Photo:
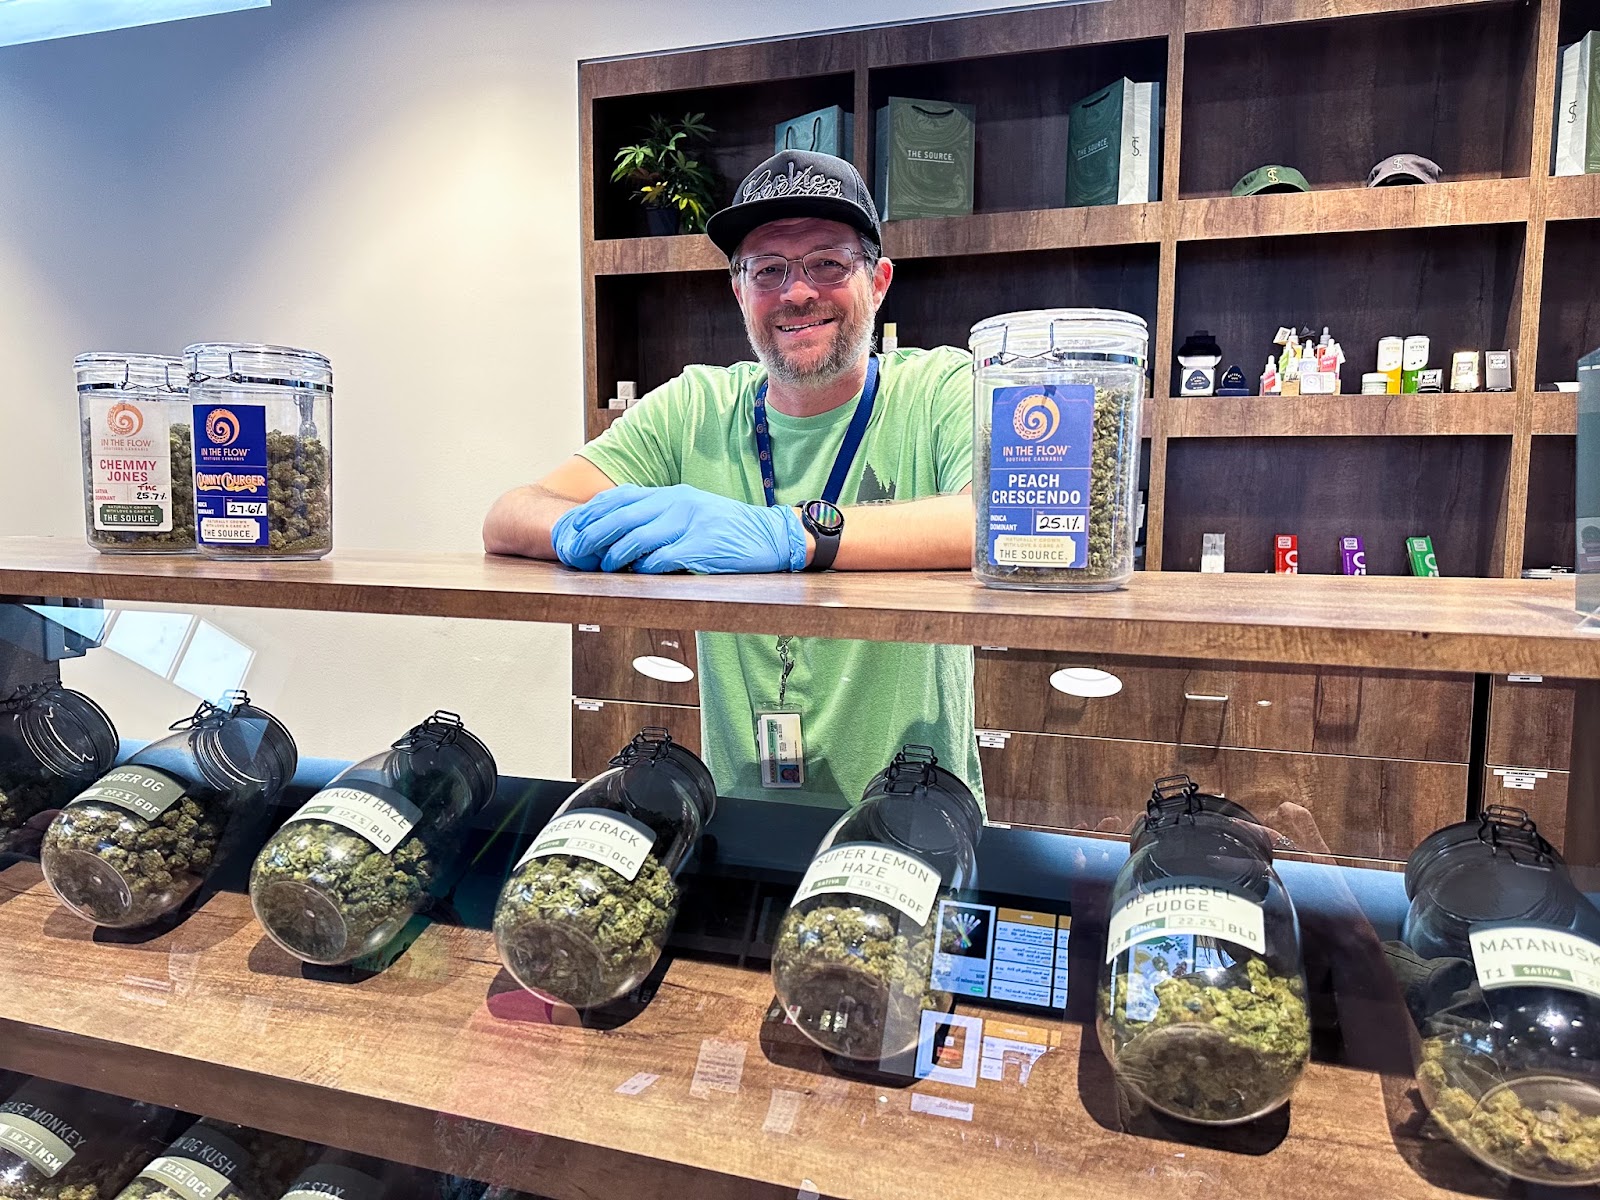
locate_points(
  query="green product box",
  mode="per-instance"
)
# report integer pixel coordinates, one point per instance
(826, 131)
(925, 155)
(1114, 145)
(1423, 562)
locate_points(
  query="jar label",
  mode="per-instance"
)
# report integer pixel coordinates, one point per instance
(876, 872)
(37, 1135)
(598, 834)
(330, 1181)
(200, 1165)
(130, 465)
(1530, 956)
(380, 814)
(143, 791)
(1187, 908)
(1040, 450)
(230, 474)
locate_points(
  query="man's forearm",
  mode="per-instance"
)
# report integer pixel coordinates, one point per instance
(521, 520)
(919, 535)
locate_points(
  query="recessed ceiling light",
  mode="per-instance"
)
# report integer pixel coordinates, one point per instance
(654, 666)
(1087, 682)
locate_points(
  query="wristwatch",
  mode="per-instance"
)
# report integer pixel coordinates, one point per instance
(825, 522)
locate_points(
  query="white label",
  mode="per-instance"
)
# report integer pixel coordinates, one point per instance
(130, 475)
(1519, 780)
(190, 1179)
(1187, 908)
(718, 1069)
(589, 705)
(588, 629)
(993, 739)
(781, 1111)
(47, 1146)
(938, 1106)
(598, 835)
(246, 530)
(863, 869)
(636, 1084)
(1528, 956)
(1524, 678)
(384, 820)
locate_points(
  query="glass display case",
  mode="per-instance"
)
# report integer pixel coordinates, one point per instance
(1076, 1022)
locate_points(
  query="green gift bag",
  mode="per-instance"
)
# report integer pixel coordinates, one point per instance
(925, 155)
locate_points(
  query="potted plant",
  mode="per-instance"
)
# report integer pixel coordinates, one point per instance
(676, 187)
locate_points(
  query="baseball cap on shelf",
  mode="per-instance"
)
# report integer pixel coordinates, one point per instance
(1403, 168)
(1271, 178)
(796, 183)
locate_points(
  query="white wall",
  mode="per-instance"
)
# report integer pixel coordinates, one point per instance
(391, 182)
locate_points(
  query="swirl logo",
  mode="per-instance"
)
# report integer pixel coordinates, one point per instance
(1036, 418)
(124, 419)
(222, 427)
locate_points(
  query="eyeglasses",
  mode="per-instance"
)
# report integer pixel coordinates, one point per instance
(824, 268)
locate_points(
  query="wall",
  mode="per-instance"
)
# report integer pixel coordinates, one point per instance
(391, 182)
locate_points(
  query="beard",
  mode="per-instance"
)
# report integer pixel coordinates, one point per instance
(852, 338)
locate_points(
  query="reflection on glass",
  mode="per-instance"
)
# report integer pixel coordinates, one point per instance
(54, 742)
(1202, 1009)
(66, 1143)
(214, 1158)
(585, 915)
(1501, 970)
(854, 960)
(355, 863)
(137, 844)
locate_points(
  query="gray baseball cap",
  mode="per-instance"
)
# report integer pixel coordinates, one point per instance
(796, 183)
(1403, 168)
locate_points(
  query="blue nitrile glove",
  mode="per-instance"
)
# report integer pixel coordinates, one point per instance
(679, 528)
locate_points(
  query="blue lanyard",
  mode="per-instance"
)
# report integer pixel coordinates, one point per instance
(847, 449)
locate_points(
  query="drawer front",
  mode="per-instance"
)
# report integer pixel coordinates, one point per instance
(601, 728)
(1543, 794)
(1381, 714)
(1360, 807)
(604, 666)
(1530, 724)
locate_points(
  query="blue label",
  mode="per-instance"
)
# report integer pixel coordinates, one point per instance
(230, 474)
(1039, 454)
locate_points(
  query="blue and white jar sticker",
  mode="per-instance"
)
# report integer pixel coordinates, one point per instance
(1040, 449)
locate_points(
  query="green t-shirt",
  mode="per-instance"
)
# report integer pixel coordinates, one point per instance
(860, 702)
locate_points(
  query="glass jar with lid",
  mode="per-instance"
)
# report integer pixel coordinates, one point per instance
(1510, 1064)
(1202, 1008)
(853, 964)
(1055, 447)
(138, 481)
(138, 843)
(54, 742)
(356, 862)
(263, 450)
(586, 912)
(221, 1159)
(345, 1175)
(66, 1143)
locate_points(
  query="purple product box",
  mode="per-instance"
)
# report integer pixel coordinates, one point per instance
(1354, 553)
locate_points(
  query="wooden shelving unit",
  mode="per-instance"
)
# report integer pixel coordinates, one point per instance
(443, 1062)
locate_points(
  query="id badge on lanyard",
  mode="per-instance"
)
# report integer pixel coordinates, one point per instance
(780, 739)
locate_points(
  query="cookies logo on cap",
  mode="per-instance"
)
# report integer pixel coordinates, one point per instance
(807, 181)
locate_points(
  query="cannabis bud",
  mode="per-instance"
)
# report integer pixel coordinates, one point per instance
(63, 1143)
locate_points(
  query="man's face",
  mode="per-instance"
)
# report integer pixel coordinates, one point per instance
(803, 333)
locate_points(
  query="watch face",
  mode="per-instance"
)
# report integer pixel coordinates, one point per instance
(826, 517)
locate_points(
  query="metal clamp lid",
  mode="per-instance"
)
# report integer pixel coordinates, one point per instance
(1505, 827)
(913, 767)
(653, 745)
(446, 729)
(1053, 354)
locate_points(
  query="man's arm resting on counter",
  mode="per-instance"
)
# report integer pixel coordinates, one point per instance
(933, 534)
(520, 521)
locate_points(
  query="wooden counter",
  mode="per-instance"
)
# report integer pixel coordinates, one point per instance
(1468, 625)
(443, 1062)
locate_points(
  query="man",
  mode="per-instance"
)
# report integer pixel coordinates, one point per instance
(735, 469)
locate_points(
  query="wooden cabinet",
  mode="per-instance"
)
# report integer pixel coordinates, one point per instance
(1357, 807)
(1381, 714)
(601, 728)
(1530, 722)
(657, 666)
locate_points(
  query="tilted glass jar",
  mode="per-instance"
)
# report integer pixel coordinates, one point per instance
(344, 1175)
(1510, 1065)
(355, 863)
(138, 469)
(1202, 1007)
(263, 450)
(138, 843)
(54, 742)
(1055, 447)
(66, 1143)
(586, 912)
(854, 961)
(213, 1159)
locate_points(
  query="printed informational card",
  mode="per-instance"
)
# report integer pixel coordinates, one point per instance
(993, 952)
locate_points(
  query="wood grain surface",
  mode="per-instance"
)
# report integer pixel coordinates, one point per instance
(1467, 202)
(1555, 412)
(601, 728)
(442, 1062)
(603, 658)
(1443, 415)
(1452, 624)
(1530, 723)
